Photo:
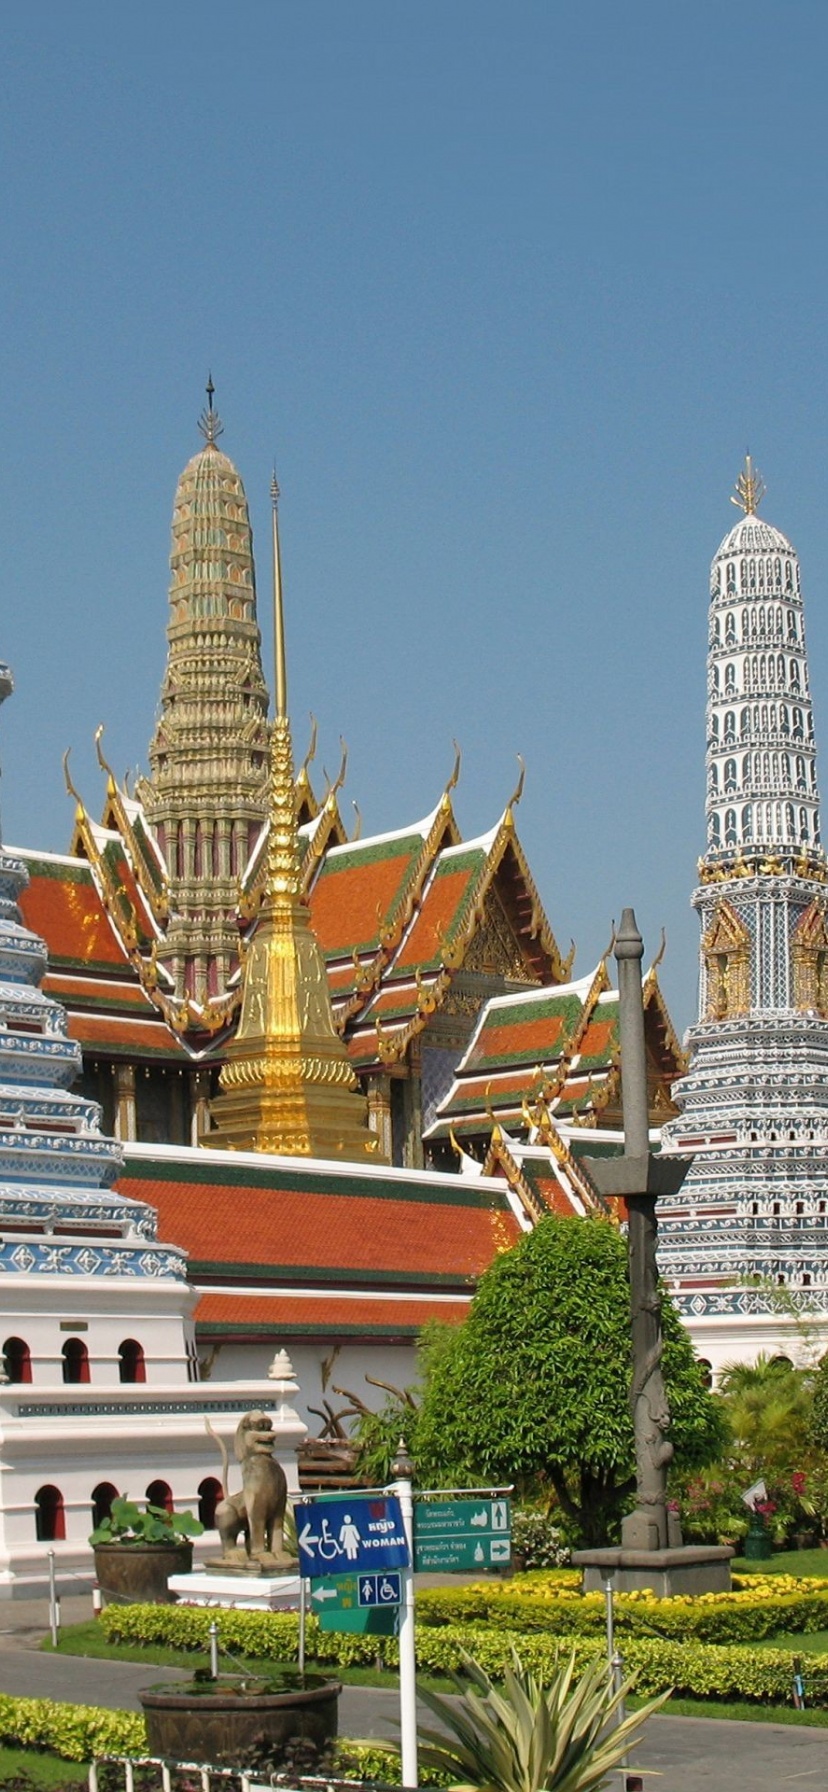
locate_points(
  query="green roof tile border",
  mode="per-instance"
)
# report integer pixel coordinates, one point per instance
(148, 1169)
(401, 1279)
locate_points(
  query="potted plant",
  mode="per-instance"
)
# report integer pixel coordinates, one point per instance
(241, 1720)
(137, 1550)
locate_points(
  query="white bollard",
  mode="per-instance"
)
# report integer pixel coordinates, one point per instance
(54, 1608)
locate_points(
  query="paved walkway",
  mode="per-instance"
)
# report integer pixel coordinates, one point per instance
(679, 1754)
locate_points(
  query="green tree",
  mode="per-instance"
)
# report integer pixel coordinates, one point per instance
(768, 1409)
(818, 1424)
(536, 1380)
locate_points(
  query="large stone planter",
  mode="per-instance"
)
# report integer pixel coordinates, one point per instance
(137, 1573)
(216, 1721)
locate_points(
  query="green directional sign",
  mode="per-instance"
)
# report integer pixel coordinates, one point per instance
(340, 1602)
(462, 1536)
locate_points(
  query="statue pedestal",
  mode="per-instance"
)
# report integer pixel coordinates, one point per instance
(694, 1568)
(252, 1593)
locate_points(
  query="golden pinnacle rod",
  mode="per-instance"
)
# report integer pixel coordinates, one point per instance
(278, 610)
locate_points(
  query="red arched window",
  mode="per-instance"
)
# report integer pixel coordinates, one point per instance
(102, 1497)
(50, 1518)
(75, 1360)
(17, 1359)
(210, 1492)
(132, 1366)
(159, 1494)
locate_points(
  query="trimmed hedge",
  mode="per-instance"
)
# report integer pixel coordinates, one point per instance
(74, 1732)
(85, 1733)
(760, 1606)
(694, 1669)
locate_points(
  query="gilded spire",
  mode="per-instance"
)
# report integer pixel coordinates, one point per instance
(750, 489)
(206, 799)
(287, 1085)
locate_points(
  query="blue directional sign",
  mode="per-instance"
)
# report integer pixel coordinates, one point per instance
(380, 1589)
(363, 1533)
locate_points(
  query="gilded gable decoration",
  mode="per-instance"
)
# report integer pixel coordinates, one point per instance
(726, 952)
(810, 960)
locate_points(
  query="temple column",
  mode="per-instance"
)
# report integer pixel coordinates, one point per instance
(200, 1088)
(414, 1109)
(379, 1112)
(125, 1122)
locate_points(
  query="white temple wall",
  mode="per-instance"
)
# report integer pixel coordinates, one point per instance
(741, 1338)
(56, 1438)
(317, 1373)
(45, 1311)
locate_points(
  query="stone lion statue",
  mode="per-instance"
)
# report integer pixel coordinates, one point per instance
(257, 1512)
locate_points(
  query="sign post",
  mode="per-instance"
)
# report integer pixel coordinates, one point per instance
(403, 1468)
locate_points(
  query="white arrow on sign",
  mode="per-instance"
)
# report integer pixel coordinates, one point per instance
(307, 1537)
(323, 1593)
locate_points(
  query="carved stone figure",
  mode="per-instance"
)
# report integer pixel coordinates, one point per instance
(646, 1528)
(257, 1512)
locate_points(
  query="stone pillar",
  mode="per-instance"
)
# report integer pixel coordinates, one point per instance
(379, 1112)
(648, 1556)
(200, 1106)
(125, 1124)
(414, 1108)
(646, 1527)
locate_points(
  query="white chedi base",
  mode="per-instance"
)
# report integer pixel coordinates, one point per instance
(247, 1593)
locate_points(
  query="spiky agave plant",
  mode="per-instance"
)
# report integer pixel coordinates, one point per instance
(525, 1736)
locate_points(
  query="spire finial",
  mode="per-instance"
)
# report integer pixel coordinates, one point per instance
(210, 422)
(750, 489)
(278, 608)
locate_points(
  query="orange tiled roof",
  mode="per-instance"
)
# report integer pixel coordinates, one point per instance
(92, 992)
(112, 1032)
(318, 1221)
(441, 903)
(62, 904)
(354, 892)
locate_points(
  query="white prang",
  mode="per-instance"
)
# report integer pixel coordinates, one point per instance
(744, 1247)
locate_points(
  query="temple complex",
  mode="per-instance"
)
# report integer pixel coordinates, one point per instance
(744, 1245)
(341, 1073)
(150, 913)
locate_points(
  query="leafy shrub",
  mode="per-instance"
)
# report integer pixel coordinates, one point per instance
(684, 1656)
(74, 1732)
(759, 1606)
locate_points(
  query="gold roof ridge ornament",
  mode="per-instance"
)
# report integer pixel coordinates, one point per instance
(749, 490)
(209, 422)
(287, 1085)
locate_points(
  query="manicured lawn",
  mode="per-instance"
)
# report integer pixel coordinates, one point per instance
(806, 1562)
(746, 1714)
(805, 1642)
(40, 1770)
(89, 1640)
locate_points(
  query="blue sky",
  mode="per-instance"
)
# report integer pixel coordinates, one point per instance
(506, 291)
